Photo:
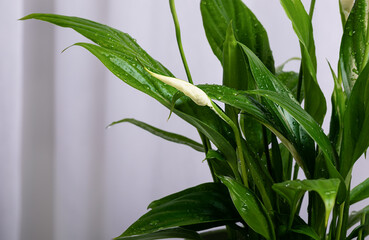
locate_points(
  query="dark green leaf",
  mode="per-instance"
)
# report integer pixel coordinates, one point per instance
(119, 53)
(338, 100)
(326, 188)
(354, 233)
(217, 15)
(306, 230)
(360, 192)
(290, 79)
(302, 148)
(206, 203)
(250, 208)
(173, 137)
(164, 234)
(354, 52)
(355, 127)
(315, 103)
(309, 125)
(220, 164)
(355, 217)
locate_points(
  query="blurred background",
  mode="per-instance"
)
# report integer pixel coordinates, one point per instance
(63, 175)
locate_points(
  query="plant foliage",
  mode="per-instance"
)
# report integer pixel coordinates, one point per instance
(263, 129)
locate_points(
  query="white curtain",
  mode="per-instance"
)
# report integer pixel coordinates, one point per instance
(63, 175)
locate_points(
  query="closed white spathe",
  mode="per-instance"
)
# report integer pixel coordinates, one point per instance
(62, 174)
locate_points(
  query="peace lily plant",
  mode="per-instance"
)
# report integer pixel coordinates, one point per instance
(269, 130)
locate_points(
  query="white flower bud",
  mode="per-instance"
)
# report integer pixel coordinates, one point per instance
(196, 94)
(346, 6)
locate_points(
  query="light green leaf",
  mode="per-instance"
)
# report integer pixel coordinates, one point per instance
(207, 203)
(250, 208)
(172, 137)
(315, 103)
(326, 188)
(354, 51)
(360, 192)
(165, 234)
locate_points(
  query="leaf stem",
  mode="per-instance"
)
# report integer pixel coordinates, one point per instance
(237, 135)
(340, 220)
(311, 10)
(360, 234)
(179, 41)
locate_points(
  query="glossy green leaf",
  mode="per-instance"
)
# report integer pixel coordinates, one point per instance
(326, 188)
(309, 125)
(217, 15)
(206, 203)
(290, 79)
(119, 53)
(315, 103)
(292, 195)
(245, 102)
(220, 164)
(355, 127)
(165, 234)
(250, 208)
(302, 148)
(354, 52)
(172, 137)
(360, 192)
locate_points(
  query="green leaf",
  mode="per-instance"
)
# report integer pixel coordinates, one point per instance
(338, 100)
(172, 137)
(326, 188)
(290, 79)
(355, 127)
(306, 230)
(354, 51)
(360, 192)
(217, 15)
(220, 164)
(293, 197)
(206, 203)
(245, 102)
(164, 234)
(309, 125)
(119, 53)
(302, 148)
(355, 217)
(315, 103)
(250, 208)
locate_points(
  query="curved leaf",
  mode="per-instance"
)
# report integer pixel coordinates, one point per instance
(309, 125)
(360, 192)
(355, 126)
(326, 188)
(250, 208)
(207, 203)
(217, 15)
(315, 103)
(119, 53)
(172, 137)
